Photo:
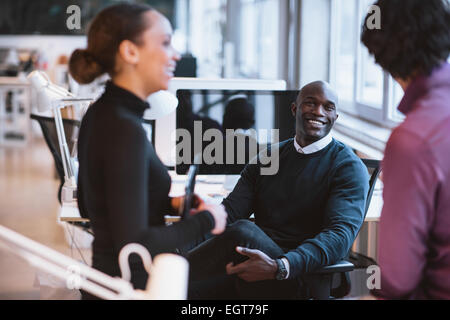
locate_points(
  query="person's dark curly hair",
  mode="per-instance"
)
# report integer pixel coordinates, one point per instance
(414, 37)
(239, 114)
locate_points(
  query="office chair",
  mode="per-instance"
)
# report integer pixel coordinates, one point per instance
(71, 128)
(48, 127)
(319, 283)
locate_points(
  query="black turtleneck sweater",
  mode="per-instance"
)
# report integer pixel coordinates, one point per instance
(123, 187)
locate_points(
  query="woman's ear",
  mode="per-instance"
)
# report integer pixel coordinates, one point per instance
(128, 52)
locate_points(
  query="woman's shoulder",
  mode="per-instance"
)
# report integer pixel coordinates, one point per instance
(106, 119)
(110, 112)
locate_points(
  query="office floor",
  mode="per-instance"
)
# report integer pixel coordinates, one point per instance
(29, 206)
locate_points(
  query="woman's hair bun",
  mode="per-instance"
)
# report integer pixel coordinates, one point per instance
(83, 67)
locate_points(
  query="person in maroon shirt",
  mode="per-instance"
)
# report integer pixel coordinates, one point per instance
(413, 45)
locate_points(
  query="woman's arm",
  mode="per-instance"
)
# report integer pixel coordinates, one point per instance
(126, 169)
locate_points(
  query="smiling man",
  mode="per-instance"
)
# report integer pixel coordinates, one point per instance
(312, 123)
(306, 216)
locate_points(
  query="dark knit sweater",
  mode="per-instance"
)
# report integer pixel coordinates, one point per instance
(312, 208)
(123, 187)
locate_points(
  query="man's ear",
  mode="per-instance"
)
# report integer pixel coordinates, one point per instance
(293, 109)
(129, 52)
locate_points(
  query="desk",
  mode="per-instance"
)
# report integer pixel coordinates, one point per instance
(69, 213)
(211, 188)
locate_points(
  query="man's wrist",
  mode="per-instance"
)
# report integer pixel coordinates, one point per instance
(287, 265)
(274, 267)
(281, 273)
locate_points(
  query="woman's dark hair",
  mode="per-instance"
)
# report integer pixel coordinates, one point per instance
(109, 28)
(414, 37)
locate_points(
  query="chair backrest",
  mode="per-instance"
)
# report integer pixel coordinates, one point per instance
(374, 168)
(48, 127)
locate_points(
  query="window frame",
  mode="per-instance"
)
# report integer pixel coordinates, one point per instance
(383, 116)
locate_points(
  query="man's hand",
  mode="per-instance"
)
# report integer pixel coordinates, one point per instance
(258, 267)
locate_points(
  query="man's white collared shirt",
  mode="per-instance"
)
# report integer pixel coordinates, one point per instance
(313, 147)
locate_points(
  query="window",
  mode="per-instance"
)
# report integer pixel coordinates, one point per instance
(345, 53)
(258, 40)
(395, 99)
(365, 90)
(207, 38)
(371, 81)
(248, 40)
(235, 39)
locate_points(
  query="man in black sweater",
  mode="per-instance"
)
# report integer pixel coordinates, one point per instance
(307, 215)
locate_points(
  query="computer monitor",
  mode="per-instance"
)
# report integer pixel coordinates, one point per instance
(165, 127)
(229, 126)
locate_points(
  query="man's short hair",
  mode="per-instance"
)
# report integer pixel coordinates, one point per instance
(414, 36)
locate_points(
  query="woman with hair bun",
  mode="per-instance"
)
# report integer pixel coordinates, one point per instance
(123, 186)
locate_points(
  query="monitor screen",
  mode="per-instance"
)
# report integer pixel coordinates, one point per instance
(222, 130)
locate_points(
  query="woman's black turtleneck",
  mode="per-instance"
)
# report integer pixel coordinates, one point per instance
(123, 187)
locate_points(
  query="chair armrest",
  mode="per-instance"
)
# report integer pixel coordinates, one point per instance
(341, 266)
(320, 282)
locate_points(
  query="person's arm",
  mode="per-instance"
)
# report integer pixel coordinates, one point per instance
(344, 215)
(126, 170)
(239, 203)
(410, 177)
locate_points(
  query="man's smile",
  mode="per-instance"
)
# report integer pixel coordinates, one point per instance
(315, 123)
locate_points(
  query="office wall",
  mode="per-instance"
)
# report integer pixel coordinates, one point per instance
(49, 17)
